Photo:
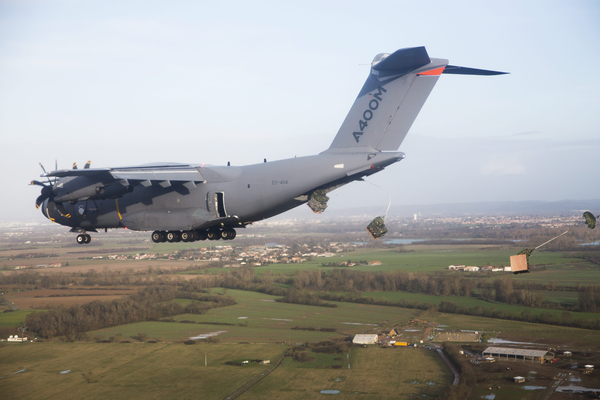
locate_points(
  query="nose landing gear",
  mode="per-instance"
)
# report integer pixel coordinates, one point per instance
(83, 238)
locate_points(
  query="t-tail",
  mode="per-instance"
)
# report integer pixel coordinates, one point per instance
(390, 100)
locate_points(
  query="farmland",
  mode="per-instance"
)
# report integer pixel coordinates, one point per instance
(258, 318)
(126, 371)
(152, 361)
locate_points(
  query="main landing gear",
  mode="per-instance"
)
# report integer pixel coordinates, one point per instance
(83, 238)
(193, 235)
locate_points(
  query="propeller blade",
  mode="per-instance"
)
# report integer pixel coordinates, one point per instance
(46, 193)
(87, 164)
(38, 183)
(44, 169)
(40, 200)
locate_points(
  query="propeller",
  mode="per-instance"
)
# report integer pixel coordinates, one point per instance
(48, 193)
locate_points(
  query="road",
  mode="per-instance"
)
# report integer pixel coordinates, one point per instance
(10, 305)
(550, 390)
(454, 371)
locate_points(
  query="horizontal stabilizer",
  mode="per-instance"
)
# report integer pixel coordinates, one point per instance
(456, 70)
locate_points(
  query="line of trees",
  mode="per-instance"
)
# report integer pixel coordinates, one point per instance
(589, 298)
(150, 304)
(565, 319)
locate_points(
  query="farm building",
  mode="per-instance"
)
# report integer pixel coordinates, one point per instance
(393, 332)
(365, 339)
(16, 338)
(506, 354)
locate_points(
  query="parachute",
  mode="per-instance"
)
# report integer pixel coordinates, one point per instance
(590, 220)
(377, 228)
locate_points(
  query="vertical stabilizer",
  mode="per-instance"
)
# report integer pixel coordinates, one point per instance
(386, 107)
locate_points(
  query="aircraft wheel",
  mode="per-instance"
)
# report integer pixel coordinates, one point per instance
(228, 234)
(193, 236)
(88, 238)
(81, 239)
(187, 236)
(201, 235)
(213, 234)
(173, 236)
(156, 236)
(163, 236)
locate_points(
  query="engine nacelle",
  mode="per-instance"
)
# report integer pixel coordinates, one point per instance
(82, 188)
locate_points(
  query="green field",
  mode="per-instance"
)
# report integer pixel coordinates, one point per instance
(177, 371)
(560, 268)
(374, 373)
(14, 318)
(126, 371)
(257, 317)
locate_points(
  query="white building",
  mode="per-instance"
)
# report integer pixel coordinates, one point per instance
(365, 339)
(16, 338)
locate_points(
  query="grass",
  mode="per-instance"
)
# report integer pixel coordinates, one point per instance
(258, 318)
(126, 371)
(13, 319)
(559, 266)
(375, 373)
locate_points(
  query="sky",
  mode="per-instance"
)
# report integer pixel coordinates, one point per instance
(132, 82)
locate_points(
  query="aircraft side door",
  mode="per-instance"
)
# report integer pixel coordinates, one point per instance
(215, 203)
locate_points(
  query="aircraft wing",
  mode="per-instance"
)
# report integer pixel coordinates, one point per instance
(143, 174)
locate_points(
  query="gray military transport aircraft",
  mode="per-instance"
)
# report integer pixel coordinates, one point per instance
(188, 202)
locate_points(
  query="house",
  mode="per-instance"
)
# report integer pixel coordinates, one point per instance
(365, 339)
(456, 267)
(519, 379)
(471, 269)
(394, 332)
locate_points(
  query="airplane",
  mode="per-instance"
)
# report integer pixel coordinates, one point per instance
(188, 202)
